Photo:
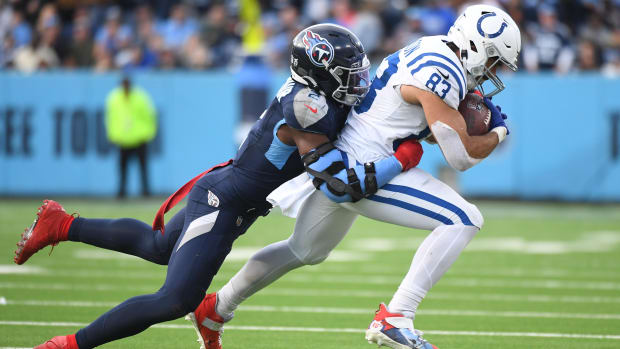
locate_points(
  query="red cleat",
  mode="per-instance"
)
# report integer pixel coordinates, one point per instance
(59, 342)
(49, 228)
(208, 323)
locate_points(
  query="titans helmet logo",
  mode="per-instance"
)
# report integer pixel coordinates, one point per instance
(493, 35)
(318, 49)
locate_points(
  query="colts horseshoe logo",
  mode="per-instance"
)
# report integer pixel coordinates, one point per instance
(494, 35)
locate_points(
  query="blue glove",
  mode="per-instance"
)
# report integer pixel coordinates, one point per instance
(497, 117)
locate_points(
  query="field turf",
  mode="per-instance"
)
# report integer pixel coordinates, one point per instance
(537, 276)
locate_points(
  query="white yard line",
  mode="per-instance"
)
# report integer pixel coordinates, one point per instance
(337, 330)
(379, 295)
(337, 310)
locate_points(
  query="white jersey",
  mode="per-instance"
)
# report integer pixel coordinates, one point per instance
(383, 120)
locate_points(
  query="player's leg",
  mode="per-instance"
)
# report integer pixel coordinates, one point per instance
(130, 236)
(53, 225)
(417, 200)
(123, 159)
(196, 258)
(321, 225)
(142, 153)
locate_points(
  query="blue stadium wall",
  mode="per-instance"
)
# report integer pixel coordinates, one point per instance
(563, 144)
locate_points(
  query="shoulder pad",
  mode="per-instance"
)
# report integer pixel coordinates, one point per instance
(309, 107)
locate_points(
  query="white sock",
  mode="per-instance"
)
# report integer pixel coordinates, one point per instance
(265, 267)
(432, 259)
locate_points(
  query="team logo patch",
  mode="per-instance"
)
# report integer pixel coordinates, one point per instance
(493, 35)
(212, 199)
(318, 49)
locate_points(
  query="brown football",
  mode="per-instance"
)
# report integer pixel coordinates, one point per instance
(476, 114)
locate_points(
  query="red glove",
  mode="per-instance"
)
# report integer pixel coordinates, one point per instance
(409, 154)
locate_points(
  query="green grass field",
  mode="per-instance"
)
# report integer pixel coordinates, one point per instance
(536, 276)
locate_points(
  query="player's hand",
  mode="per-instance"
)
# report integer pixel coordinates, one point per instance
(497, 117)
(409, 154)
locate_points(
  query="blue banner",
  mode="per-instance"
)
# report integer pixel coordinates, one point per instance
(563, 143)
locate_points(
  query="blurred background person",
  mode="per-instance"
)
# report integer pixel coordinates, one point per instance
(131, 123)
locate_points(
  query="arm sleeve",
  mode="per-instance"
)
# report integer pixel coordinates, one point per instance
(385, 170)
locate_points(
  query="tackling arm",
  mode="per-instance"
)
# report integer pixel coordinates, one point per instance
(461, 150)
(325, 165)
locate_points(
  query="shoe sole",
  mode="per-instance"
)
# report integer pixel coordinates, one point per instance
(377, 337)
(192, 318)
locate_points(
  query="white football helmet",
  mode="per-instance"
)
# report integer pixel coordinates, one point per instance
(483, 32)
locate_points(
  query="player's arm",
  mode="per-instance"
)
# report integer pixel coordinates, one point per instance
(461, 150)
(325, 165)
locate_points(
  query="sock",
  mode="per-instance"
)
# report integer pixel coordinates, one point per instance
(265, 267)
(65, 225)
(431, 261)
(72, 342)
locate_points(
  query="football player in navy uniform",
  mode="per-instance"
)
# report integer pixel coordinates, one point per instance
(329, 74)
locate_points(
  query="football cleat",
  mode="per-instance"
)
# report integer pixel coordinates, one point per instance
(59, 342)
(47, 229)
(395, 331)
(207, 323)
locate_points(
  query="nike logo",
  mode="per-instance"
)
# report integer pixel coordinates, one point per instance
(445, 76)
(314, 110)
(507, 46)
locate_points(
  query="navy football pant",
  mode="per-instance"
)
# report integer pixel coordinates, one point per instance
(193, 256)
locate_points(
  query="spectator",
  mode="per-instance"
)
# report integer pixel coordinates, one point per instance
(113, 36)
(549, 47)
(20, 30)
(178, 29)
(217, 33)
(589, 56)
(35, 55)
(131, 124)
(368, 26)
(342, 13)
(81, 48)
(437, 17)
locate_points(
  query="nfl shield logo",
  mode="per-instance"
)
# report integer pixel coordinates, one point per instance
(239, 220)
(318, 49)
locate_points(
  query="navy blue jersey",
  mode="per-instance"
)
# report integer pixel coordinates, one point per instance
(263, 162)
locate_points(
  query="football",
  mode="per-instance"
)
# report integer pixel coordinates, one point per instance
(476, 114)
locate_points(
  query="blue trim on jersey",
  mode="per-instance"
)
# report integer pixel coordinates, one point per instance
(411, 207)
(379, 82)
(440, 56)
(397, 142)
(439, 64)
(430, 198)
(456, 76)
(278, 152)
(345, 158)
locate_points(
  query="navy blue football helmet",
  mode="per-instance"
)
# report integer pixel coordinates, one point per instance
(331, 59)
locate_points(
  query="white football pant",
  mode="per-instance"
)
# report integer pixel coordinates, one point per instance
(412, 199)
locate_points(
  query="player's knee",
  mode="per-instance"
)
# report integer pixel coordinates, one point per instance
(306, 255)
(475, 216)
(313, 259)
(178, 302)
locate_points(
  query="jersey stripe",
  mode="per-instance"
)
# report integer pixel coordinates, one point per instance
(433, 54)
(439, 64)
(430, 198)
(411, 207)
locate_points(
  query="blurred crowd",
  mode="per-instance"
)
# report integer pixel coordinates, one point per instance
(558, 35)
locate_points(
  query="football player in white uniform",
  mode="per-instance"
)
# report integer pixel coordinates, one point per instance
(415, 94)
